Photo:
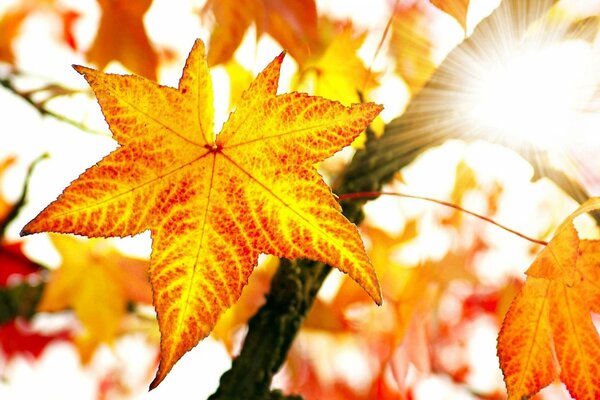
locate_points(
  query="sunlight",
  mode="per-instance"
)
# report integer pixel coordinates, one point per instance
(535, 97)
(526, 78)
(491, 120)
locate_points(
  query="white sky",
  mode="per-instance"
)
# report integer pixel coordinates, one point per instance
(58, 375)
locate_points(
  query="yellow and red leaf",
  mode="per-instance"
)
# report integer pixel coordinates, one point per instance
(213, 203)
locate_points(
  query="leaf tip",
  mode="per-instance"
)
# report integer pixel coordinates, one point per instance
(155, 382)
(377, 109)
(161, 373)
(281, 56)
(276, 63)
(370, 110)
(81, 69)
(370, 283)
(378, 298)
(375, 293)
(28, 229)
(199, 46)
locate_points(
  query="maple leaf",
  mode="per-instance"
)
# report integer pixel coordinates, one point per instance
(10, 26)
(337, 72)
(411, 47)
(456, 8)
(97, 283)
(69, 19)
(121, 36)
(548, 331)
(18, 338)
(290, 22)
(213, 204)
(11, 23)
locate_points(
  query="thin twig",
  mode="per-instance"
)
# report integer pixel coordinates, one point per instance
(362, 195)
(28, 97)
(16, 208)
(380, 45)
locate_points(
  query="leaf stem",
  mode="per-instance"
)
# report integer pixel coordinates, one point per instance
(363, 195)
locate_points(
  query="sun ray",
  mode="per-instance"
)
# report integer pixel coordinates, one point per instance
(526, 78)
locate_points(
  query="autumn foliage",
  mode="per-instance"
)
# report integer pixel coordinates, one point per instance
(548, 332)
(213, 204)
(247, 219)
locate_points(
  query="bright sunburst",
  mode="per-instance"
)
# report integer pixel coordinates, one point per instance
(538, 96)
(528, 77)
(534, 72)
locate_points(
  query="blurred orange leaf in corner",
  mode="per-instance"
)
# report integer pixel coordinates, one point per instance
(122, 37)
(10, 25)
(548, 332)
(292, 23)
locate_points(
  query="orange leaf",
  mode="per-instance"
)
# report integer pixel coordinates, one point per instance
(69, 19)
(96, 282)
(411, 47)
(122, 37)
(291, 22)
(456, 8)
(10, 26)
(524, 343)
(214, 204)
(548, 330)
(5, 206)
(13, 18)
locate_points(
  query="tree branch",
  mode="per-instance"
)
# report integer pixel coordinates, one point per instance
(8, 84)
(295, 285)
(19, 301)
